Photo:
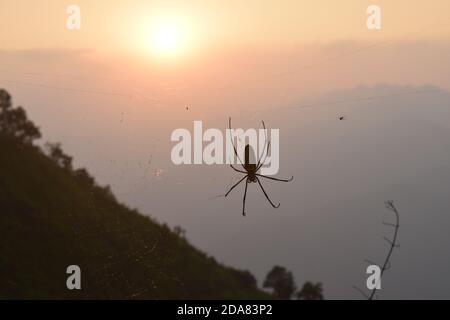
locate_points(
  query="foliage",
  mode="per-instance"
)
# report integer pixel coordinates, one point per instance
(56, 153)
(310, 291)
(281, 281)
(14, 122)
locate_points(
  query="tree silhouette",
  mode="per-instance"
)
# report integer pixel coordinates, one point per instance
(310, 291)
(14, 121)
(56, 153)
(281, 281)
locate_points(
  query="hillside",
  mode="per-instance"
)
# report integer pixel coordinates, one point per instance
(52, 217)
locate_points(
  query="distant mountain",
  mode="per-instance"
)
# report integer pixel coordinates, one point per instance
(52, 216)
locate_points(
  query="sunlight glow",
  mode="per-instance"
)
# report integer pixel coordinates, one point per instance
(168, 37)
(166, 40)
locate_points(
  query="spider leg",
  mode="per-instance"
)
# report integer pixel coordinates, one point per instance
(232, 142)
(265, 144)
(282, 180)
(265, 158)
(237, 169)
(267, 197)
(226, 194)
(245, 196)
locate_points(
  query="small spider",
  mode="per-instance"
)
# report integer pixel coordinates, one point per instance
(251, 170)
(342, 118)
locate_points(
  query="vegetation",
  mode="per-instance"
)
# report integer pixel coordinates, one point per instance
(282, 282)
(310, 291)
(53, 216)
(14, 122)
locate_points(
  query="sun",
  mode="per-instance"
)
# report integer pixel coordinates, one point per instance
(168, 38)
(164, 36)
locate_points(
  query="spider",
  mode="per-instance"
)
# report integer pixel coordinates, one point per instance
(251, 170)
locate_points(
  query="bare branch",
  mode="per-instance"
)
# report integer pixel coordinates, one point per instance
(386, 265)
(388, 241)
(392, 244)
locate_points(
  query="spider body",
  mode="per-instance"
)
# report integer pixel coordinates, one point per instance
(251, 178)
(251, 170)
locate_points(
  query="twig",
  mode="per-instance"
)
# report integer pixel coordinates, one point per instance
(386, 265)
(392, 243)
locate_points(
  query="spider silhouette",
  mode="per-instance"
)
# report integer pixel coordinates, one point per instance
(251, 170)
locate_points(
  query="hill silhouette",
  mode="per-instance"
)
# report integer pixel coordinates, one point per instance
(53, 216)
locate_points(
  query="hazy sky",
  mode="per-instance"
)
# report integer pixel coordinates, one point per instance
(125, 26)
(112, 97)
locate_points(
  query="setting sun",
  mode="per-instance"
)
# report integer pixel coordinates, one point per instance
(164, 35)
(168, 37)
(166, 40)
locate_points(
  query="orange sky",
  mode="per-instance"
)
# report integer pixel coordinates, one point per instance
(123, 25)
(228, 47)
